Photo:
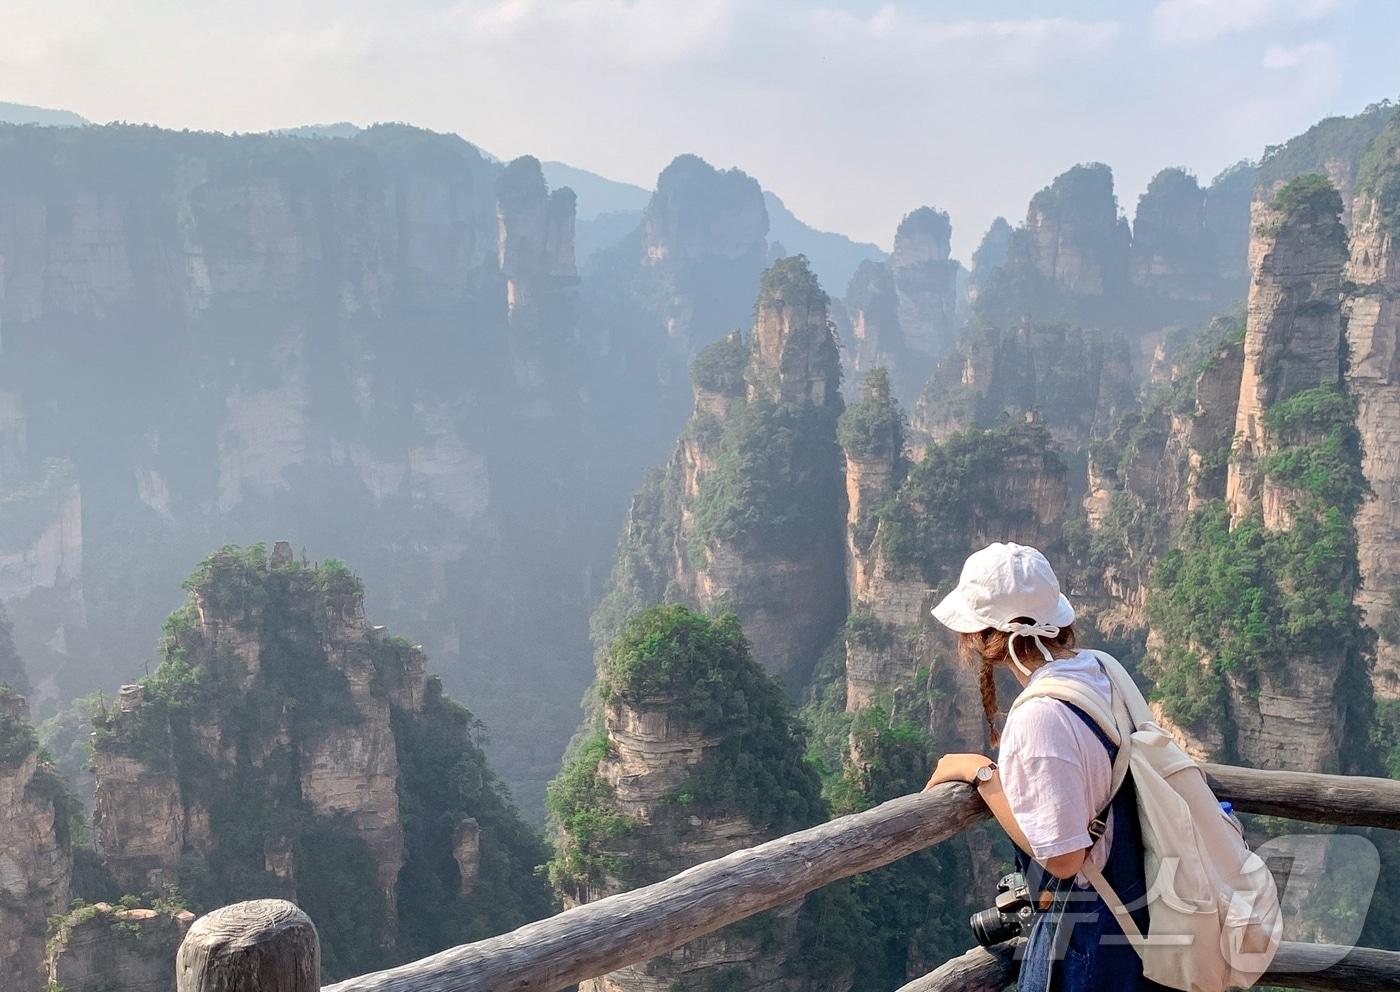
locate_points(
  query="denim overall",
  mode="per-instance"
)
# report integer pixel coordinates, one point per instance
(1064, 952)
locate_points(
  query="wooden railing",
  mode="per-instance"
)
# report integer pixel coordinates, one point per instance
(270, 945)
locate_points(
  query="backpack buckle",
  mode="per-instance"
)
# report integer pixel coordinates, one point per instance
(1097, 826)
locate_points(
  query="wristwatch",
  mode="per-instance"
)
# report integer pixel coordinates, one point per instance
(985, 773)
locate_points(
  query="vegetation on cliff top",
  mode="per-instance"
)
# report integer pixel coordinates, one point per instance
(699, 668)
(873, 427)
(719, 367)
(1379, 175)
(287, 609)
(943, 499)
(1341, 140)
(1309, 198)
(790, 282)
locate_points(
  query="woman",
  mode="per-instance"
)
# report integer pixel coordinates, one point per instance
(1052, 781)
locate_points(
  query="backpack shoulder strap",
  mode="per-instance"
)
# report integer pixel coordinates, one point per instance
(1073, 691)
(1134, 704)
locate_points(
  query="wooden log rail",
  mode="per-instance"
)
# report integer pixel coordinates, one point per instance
(602, 936)
(1318, 967)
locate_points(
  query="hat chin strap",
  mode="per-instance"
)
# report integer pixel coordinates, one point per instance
(1034, 631)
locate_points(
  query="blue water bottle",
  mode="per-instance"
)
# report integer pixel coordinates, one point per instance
(1228, 809)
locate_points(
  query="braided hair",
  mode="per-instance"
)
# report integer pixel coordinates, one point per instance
(989, 648)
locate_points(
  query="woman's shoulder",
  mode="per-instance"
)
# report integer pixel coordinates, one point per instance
(1037, 719)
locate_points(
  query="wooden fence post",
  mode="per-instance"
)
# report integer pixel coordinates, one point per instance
(267, 945)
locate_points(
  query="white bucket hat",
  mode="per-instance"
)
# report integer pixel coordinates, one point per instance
(1001, 583)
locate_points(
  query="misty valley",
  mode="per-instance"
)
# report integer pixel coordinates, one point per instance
(440, 542)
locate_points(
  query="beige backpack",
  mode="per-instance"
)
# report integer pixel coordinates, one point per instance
(1214, 915)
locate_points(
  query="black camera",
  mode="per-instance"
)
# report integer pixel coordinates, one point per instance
(1009, 917)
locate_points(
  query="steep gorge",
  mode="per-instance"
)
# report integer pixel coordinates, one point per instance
(371, 342)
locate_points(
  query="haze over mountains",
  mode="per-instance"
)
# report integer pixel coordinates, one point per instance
(554, 430)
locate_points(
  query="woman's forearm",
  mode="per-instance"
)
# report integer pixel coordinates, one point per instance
(991, 794)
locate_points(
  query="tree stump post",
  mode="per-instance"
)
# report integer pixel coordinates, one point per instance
(267, 945)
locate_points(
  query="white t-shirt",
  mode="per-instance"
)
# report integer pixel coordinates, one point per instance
(1054, 771)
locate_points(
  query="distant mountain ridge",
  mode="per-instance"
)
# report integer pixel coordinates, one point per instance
(21, 113)
(607, 207)
(596, 194)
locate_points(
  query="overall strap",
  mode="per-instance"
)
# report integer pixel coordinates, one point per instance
(1094, 875)
(1101, 820)
(1093, 725)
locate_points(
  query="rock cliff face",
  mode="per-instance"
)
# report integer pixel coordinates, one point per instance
(238, 632)
(1230, 681)
(208, 336)
(1079, 382)
(652, 755)
(925, 280)
(990, 255)
(41, 556)
(904, 314)
(696, 756)
(870, 321)
(1293, 336)
(102, 948)
(747, 514)
(1227, 221)
(1080, 245)
(704, 235)
(286, 747)
(1076, 260)
(910, 523)
(534, 246)
(1172, 251)
(36, 860)
(1373, 377)
(1152, 469)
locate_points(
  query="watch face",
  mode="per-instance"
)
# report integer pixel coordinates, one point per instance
(984, 774)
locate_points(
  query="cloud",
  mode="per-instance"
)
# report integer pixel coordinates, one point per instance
(1308, 53)
(1187, 22)
(1313, 68)
(1023, 45)
(855, 111)
(625, 31)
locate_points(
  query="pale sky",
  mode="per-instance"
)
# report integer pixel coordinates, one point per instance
(853, 111)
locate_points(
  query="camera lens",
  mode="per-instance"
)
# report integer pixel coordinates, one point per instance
(991, 927)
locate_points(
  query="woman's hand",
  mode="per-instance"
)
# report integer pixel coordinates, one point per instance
(957, 768)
